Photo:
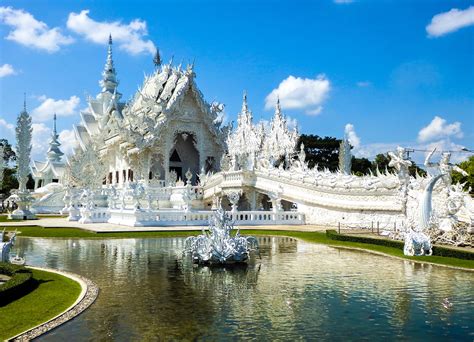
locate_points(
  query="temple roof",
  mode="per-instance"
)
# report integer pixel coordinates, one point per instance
(50, 168)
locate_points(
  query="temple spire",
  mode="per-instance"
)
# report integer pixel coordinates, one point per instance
(109, 80)
(278, 108)
(54, 153)
(24, 102)
(245, 113)
(157, 58)
(54, 125)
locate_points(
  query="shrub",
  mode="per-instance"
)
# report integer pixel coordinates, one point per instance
(437, 250)
(18, 285)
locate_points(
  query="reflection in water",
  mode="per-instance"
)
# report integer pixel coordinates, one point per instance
(297, 290)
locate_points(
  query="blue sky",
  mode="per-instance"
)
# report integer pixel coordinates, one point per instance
(384, 72)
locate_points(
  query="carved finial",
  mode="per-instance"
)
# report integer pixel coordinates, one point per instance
(24, 102)
(110, 38)
(278, 107)
(54, 124)
(244, 102)
(157, 58)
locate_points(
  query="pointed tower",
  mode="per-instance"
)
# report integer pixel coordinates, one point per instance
(245, 116)
(54, 153)
(279, 141)
(345, 156)
(109, 80)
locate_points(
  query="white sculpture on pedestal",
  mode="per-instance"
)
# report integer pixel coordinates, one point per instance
(2, 163)
(23, 151)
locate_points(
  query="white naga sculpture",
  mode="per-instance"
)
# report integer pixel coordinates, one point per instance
(417, 240)
(22, 196)
(218, 246)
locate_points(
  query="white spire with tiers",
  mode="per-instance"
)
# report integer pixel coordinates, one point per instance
(54, 153)
(109, 80)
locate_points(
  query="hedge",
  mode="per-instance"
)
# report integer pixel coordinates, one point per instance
(20, 283)
(437, 250)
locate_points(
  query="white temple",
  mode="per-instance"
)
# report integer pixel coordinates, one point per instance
(164, 158)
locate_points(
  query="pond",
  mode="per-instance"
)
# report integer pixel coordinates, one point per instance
(296, 291)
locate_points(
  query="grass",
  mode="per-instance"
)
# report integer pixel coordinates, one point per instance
(54, 294)
(315, 237)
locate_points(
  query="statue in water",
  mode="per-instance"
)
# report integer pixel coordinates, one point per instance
(218, 246)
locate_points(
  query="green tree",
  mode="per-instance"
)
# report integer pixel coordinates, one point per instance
(9, 154)
(381, 162)
(321, 151)
(9, 177)
(468, 166)
(361, 166)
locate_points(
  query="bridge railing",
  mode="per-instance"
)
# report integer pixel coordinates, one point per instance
(201, 217)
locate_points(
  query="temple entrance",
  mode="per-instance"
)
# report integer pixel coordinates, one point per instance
(184, 156)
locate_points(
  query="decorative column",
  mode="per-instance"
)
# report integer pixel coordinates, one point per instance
(2, 162)
(23, 151)
(234, 197)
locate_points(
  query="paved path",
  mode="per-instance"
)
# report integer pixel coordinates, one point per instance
(50, 222)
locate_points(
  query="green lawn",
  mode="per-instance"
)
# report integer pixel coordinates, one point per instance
(316, 237)
(54, 294)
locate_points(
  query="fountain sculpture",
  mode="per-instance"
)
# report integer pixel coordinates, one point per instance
(218, 246)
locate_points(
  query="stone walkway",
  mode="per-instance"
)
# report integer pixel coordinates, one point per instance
(88, 295)
(56, 222)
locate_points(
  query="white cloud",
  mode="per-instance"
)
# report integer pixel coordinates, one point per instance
(438, 129)
(351, 135)
(6, 70)
(49, 106)
(28, 31)
(40, 140)
(130, 37)
(300, 93)
(369, 151)
(451, 21)
(6, 125)
(68, 141)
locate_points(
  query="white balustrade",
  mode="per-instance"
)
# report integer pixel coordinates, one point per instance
(167, 218)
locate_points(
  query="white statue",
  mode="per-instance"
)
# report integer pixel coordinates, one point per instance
(2, 162)
(443, 167)
(23, 151)
(345, 156)
(402, 165)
